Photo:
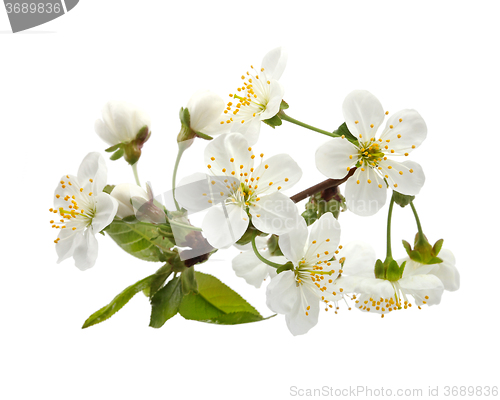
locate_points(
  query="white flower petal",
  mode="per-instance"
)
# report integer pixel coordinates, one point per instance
(281, 172)
(323, 239)
(406, 177)
(274, 63)
(123, 193)
(85, 253)
(359, 257)
(406, 135)
(332, 158)
(293, 243)
(69, 240)
(276, 93)
(223, 226)
(297, 320)
(250, 129)
(227, 147)
(282, 293)
(93, 167)
(365, 198)
(199, 191)
(376, 288)
(105, 210)
(363, 107)
(420, 286)
(205, 108)
(446, 271)
(275, 213)
(247, 266)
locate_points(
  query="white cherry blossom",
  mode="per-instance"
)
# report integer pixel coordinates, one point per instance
(366, 189)
(258, 98)
(121, 122)
(82, 210)
(298, 293)
(236, 191)
(383, 296)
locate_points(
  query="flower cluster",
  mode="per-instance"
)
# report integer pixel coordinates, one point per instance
(245, 200)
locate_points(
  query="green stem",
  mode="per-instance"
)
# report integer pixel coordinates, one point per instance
(420, 231)
(265, 261)
(389, 218)
(136, 175)
(285, 117)
(181, 150)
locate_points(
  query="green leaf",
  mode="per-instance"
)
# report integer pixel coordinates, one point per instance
(284, 105)
(217, 303)
(344, 130)
(165, 303)
(118, 302)
(117, 154)
(161, 276)
(113, 148)
(143, 240)
(274, 121)
(402, 199)
(189, 283)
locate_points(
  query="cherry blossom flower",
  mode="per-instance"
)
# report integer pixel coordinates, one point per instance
(366, 189)
(83, 210)
(236, 191)
(258, 98)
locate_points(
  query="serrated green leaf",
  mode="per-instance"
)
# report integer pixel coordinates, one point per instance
(142, 240)
(118, 302)
(117, 154)
(165, 303)
(161, 276)
(189, 283)
(217, 303)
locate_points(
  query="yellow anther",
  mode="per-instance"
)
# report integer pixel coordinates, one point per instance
(391, 126)
(411, 171)
(371, 125)
(356, 122)
(266, 166)
(400, 172)
(369, 181)
(400, 120)
(387, 113)
(380, 186)
(231, 159)
(279, 187)
(209, 166)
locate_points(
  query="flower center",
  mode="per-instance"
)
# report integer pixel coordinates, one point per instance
(251, 98)
(369, 154)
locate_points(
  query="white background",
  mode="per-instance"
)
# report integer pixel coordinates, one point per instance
(440, 58)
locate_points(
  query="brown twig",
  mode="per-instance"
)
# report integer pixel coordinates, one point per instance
(329, 183)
